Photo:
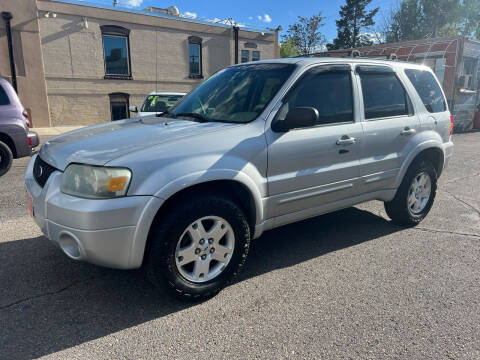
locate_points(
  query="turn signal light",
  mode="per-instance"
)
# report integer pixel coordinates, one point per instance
(117, 183)
(451, 124)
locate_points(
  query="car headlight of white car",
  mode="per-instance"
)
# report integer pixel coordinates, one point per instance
(95, 182)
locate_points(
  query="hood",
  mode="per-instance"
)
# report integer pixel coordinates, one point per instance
(97, 145)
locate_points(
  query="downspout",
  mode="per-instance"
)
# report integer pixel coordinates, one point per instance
(7, 16)
(235, 37)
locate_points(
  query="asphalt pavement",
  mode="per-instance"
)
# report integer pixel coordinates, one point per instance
(347, 285)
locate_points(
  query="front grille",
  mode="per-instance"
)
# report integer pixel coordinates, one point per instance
(42, 171)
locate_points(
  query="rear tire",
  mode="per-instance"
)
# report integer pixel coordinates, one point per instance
(411, 203)
(6, 158)
(181, 242)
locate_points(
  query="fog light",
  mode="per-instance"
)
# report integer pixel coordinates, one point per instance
(70, 245)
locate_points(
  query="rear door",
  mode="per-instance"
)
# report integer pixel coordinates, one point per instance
(389, 122)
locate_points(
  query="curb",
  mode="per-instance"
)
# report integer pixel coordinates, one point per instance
(49, 131)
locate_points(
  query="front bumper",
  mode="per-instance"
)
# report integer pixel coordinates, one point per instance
(111, 232)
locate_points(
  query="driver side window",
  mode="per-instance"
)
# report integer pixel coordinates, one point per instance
(330, 92)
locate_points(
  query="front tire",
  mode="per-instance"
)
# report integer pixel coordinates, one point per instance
(6, 158)
(415, 196)
(198, 247)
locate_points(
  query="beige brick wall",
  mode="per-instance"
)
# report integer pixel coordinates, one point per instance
(28, 57)
(74, 60)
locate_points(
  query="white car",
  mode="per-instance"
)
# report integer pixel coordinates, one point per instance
(157, 102)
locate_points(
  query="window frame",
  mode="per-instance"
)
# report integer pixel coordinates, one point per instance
(257, 52)
(381, 69)
(300, 77)
(241, 56)
(113, 98)
(195, 40)
(117, 31)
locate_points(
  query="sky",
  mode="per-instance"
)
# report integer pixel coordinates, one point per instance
(256, 13)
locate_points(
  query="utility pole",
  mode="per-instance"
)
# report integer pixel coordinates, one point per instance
(235, 37)
(7, 16)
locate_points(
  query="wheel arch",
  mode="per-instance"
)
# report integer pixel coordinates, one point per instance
(239, 191)
(431, 151)
(5, 138)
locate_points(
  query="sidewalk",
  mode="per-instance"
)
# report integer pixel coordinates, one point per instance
(50, 131)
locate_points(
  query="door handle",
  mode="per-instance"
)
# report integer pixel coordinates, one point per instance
(346, 140)
(407, 131)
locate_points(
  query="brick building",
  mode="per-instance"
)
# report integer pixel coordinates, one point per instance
(75, 60)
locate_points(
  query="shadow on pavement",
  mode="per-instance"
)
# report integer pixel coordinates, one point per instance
(49, 303)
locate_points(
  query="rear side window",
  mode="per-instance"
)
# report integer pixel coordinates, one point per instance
(330, 92)
(383, 95)
(3, 97)
(428, 90)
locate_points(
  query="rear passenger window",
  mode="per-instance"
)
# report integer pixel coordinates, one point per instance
(428, 90)
(3, 97)
(330, 92)
(383, 95)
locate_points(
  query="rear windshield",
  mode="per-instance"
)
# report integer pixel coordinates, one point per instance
(428, 90)
(3, 97)
(159, 103)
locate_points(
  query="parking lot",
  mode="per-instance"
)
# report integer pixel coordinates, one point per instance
(343, 285)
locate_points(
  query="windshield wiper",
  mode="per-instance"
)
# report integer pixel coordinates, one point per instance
(199, 117)
(165, 113)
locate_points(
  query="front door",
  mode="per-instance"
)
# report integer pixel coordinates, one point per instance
(314, 166)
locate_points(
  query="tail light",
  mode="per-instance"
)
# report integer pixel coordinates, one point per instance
(451, 124)
(29, 141)
(27, 117)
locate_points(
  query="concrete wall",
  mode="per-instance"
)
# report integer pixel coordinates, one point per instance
(74, 62)
(28, 58)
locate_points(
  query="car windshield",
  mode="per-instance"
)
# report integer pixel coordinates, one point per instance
(237, 94)
(159, 103)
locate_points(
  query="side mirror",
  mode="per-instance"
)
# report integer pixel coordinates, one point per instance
(300, 117)
(133, 108)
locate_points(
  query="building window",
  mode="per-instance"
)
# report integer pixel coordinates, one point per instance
(255, 55)
(116, 50)
(195, 57)
(119, 103)
(245, 56)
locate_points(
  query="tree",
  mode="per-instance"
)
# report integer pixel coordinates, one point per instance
(353, 18)
(287, 49)
(470, 14)
(421, 19)
(305, 34)
(407, 22)
(441, 16)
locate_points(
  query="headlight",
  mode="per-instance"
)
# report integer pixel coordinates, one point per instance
(95, 182)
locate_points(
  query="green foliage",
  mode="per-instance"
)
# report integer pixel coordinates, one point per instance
(305, 34)
(420, 19)
(287, 49)
(470, 15)
(353, 18)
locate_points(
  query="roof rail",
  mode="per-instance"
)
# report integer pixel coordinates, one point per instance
(352, 53)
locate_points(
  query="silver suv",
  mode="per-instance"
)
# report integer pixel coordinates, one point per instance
(255, 146)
